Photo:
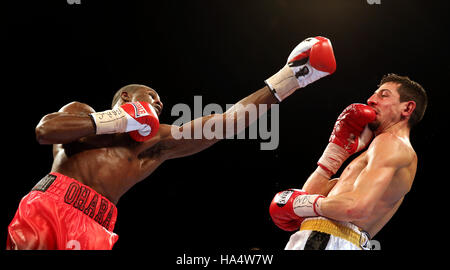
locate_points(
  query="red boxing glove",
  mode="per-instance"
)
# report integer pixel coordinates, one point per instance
(350, 135)
(310, 60)
(289, 208)
(137, 118)
(146, 116)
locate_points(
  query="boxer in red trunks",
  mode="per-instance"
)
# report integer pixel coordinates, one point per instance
(98, 156)
(48, 217)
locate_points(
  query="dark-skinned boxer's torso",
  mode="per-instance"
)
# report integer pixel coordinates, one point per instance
(110, 164)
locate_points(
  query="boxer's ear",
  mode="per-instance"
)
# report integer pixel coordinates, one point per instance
(408, 108)
(125, 96)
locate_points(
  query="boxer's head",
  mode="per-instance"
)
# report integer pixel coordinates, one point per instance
(397, 99)
(137, 92)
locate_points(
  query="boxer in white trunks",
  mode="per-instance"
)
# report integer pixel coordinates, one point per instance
(345, 212)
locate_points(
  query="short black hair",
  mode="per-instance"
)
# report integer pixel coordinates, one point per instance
(130, 88)
(409, 90)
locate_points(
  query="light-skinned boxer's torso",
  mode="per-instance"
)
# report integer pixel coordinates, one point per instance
(395, 191)
(373, 185)
(111, 164)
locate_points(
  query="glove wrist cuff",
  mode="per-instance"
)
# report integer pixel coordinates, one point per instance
(110, 121)
(307, 205)
(283, 83)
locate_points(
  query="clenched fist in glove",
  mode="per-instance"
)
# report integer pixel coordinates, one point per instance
(289, 208)
(137, 118)
(311, 60)
(350, 135)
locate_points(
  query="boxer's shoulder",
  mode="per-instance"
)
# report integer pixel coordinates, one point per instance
(392, 149)
(77, 107)
(388, 139)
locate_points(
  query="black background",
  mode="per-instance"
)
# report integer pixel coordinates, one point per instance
(54, 53)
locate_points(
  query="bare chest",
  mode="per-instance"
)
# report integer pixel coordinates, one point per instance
(348, 177)
(109, 169)
(399, 185)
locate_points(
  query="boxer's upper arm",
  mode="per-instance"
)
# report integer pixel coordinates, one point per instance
(71, 108)
(385, 156)
(330, 185)
(318, 184)
(77, 108)
(71, 121)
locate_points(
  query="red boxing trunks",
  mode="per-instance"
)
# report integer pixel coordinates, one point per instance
(62, 213)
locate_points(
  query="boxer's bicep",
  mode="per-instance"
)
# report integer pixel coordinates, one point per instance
(73, 108)
(77, 108)
(384, 159)
(370, 186)
(71, 122)
(319, 184)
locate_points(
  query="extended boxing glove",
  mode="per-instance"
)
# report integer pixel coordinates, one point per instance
(311, 60)
(350, 135)
(289, 208)
(137, 118)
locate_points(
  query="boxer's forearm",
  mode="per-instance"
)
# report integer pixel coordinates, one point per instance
(62, 127)
(318, 184)
(242, 111)
(187, 142)
(342, 207)
(262, 96)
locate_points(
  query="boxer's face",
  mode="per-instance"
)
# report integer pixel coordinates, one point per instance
(386, 103)
(149, 95)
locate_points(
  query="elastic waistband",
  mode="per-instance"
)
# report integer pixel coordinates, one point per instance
(344, 230)
(68, 190)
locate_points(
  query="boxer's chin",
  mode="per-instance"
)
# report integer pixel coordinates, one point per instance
(374, 126)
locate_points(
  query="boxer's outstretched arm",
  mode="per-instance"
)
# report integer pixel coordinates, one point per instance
(177, 145)
(67, 125)
(310, 60)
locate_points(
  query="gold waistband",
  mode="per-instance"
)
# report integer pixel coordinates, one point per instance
(336, 229)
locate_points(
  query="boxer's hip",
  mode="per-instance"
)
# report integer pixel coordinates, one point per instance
(72, 193)
(62, 213)
(322, 233)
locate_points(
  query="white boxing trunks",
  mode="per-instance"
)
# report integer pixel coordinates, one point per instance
(320, 233)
